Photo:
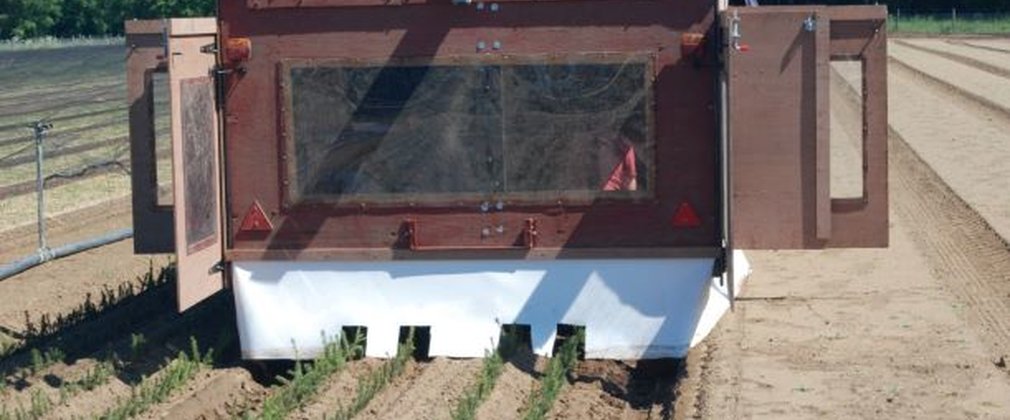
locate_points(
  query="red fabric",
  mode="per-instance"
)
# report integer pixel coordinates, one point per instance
(624, 176)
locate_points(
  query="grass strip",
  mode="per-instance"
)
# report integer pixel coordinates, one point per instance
(155, 390)
(555, 377)
(306, 379)
(369, 386)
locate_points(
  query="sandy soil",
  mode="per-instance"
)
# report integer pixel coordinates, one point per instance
(971, 80)
(996, 62)
(919, 330)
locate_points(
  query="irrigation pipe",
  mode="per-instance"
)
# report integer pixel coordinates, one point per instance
(45, 255)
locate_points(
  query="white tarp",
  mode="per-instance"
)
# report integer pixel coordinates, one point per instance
(631, 308)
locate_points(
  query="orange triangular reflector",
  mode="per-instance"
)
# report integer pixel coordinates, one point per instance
(256, 220)
(685, 216)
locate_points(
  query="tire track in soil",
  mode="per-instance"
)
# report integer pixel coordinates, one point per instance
(1003, 72)
(430, 390)
(339, 391)
(963, 250)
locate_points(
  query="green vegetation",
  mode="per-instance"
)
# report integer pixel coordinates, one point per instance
(157, 389)
(555, 377)
(40, 405)
(307, 378)
(369, 386)
(936, 25)
(491, 369)
(69, 18)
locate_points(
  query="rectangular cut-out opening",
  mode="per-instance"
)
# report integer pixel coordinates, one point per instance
(355, 337)
(420, 336)
(566, 332)
(531, 129)
(847, 129)
(162, 117)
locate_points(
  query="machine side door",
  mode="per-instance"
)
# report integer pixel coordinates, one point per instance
(778, 73)
(196, 159)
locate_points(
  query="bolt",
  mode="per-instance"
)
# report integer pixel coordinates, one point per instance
(494, 7)
(484, 207)
(485, 232)
(496, 45)
(500, 205)
(481, 46)
(480, 5)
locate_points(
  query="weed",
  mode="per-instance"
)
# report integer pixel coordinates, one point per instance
(306, 379)
(152, 391)
(369, 386)
(555, 377)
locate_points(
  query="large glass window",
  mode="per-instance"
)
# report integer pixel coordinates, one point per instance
(524, 129)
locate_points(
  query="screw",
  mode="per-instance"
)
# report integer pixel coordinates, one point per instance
(500, 205)
(485, 232)
(480, 5)
(481, 46)
(485, 206)
(496, 45)
(494, 7)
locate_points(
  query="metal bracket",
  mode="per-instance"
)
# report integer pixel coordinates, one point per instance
(209, 48)
(734, 32)
(810, 23)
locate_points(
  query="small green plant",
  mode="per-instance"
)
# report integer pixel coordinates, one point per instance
(491, 369)
(152, 391)
(40, 405)
(43, 359)
(307, 378)
(555, 377)
(370, 385)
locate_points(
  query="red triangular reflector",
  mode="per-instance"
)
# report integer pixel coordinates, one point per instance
(685, 217)
(256, 220)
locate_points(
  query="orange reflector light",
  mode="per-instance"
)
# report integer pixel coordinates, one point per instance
(256, 220)
(237, 50)
(685, 217)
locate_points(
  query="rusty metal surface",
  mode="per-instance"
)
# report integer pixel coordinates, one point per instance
(152, 224)
(685, 128)
(778, 110)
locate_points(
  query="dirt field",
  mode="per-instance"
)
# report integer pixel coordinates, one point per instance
(918, 330)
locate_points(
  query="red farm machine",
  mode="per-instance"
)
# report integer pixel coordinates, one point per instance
(460, 166)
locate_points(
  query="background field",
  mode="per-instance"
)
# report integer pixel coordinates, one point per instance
(921, 329)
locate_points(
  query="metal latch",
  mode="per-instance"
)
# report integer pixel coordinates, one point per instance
(810, 23)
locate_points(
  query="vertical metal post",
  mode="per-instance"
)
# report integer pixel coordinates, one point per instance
(41, 128)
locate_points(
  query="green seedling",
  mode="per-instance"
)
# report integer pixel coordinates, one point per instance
(555, 378)
(176, 374)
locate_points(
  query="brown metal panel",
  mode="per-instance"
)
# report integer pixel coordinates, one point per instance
(861, 32)
(773, 112)
(195, 157)
(778, 110)
(684, 102)
(152, 224)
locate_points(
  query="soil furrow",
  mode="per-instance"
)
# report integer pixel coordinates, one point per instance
(339, 391)
(996, 68)
(431, 394)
